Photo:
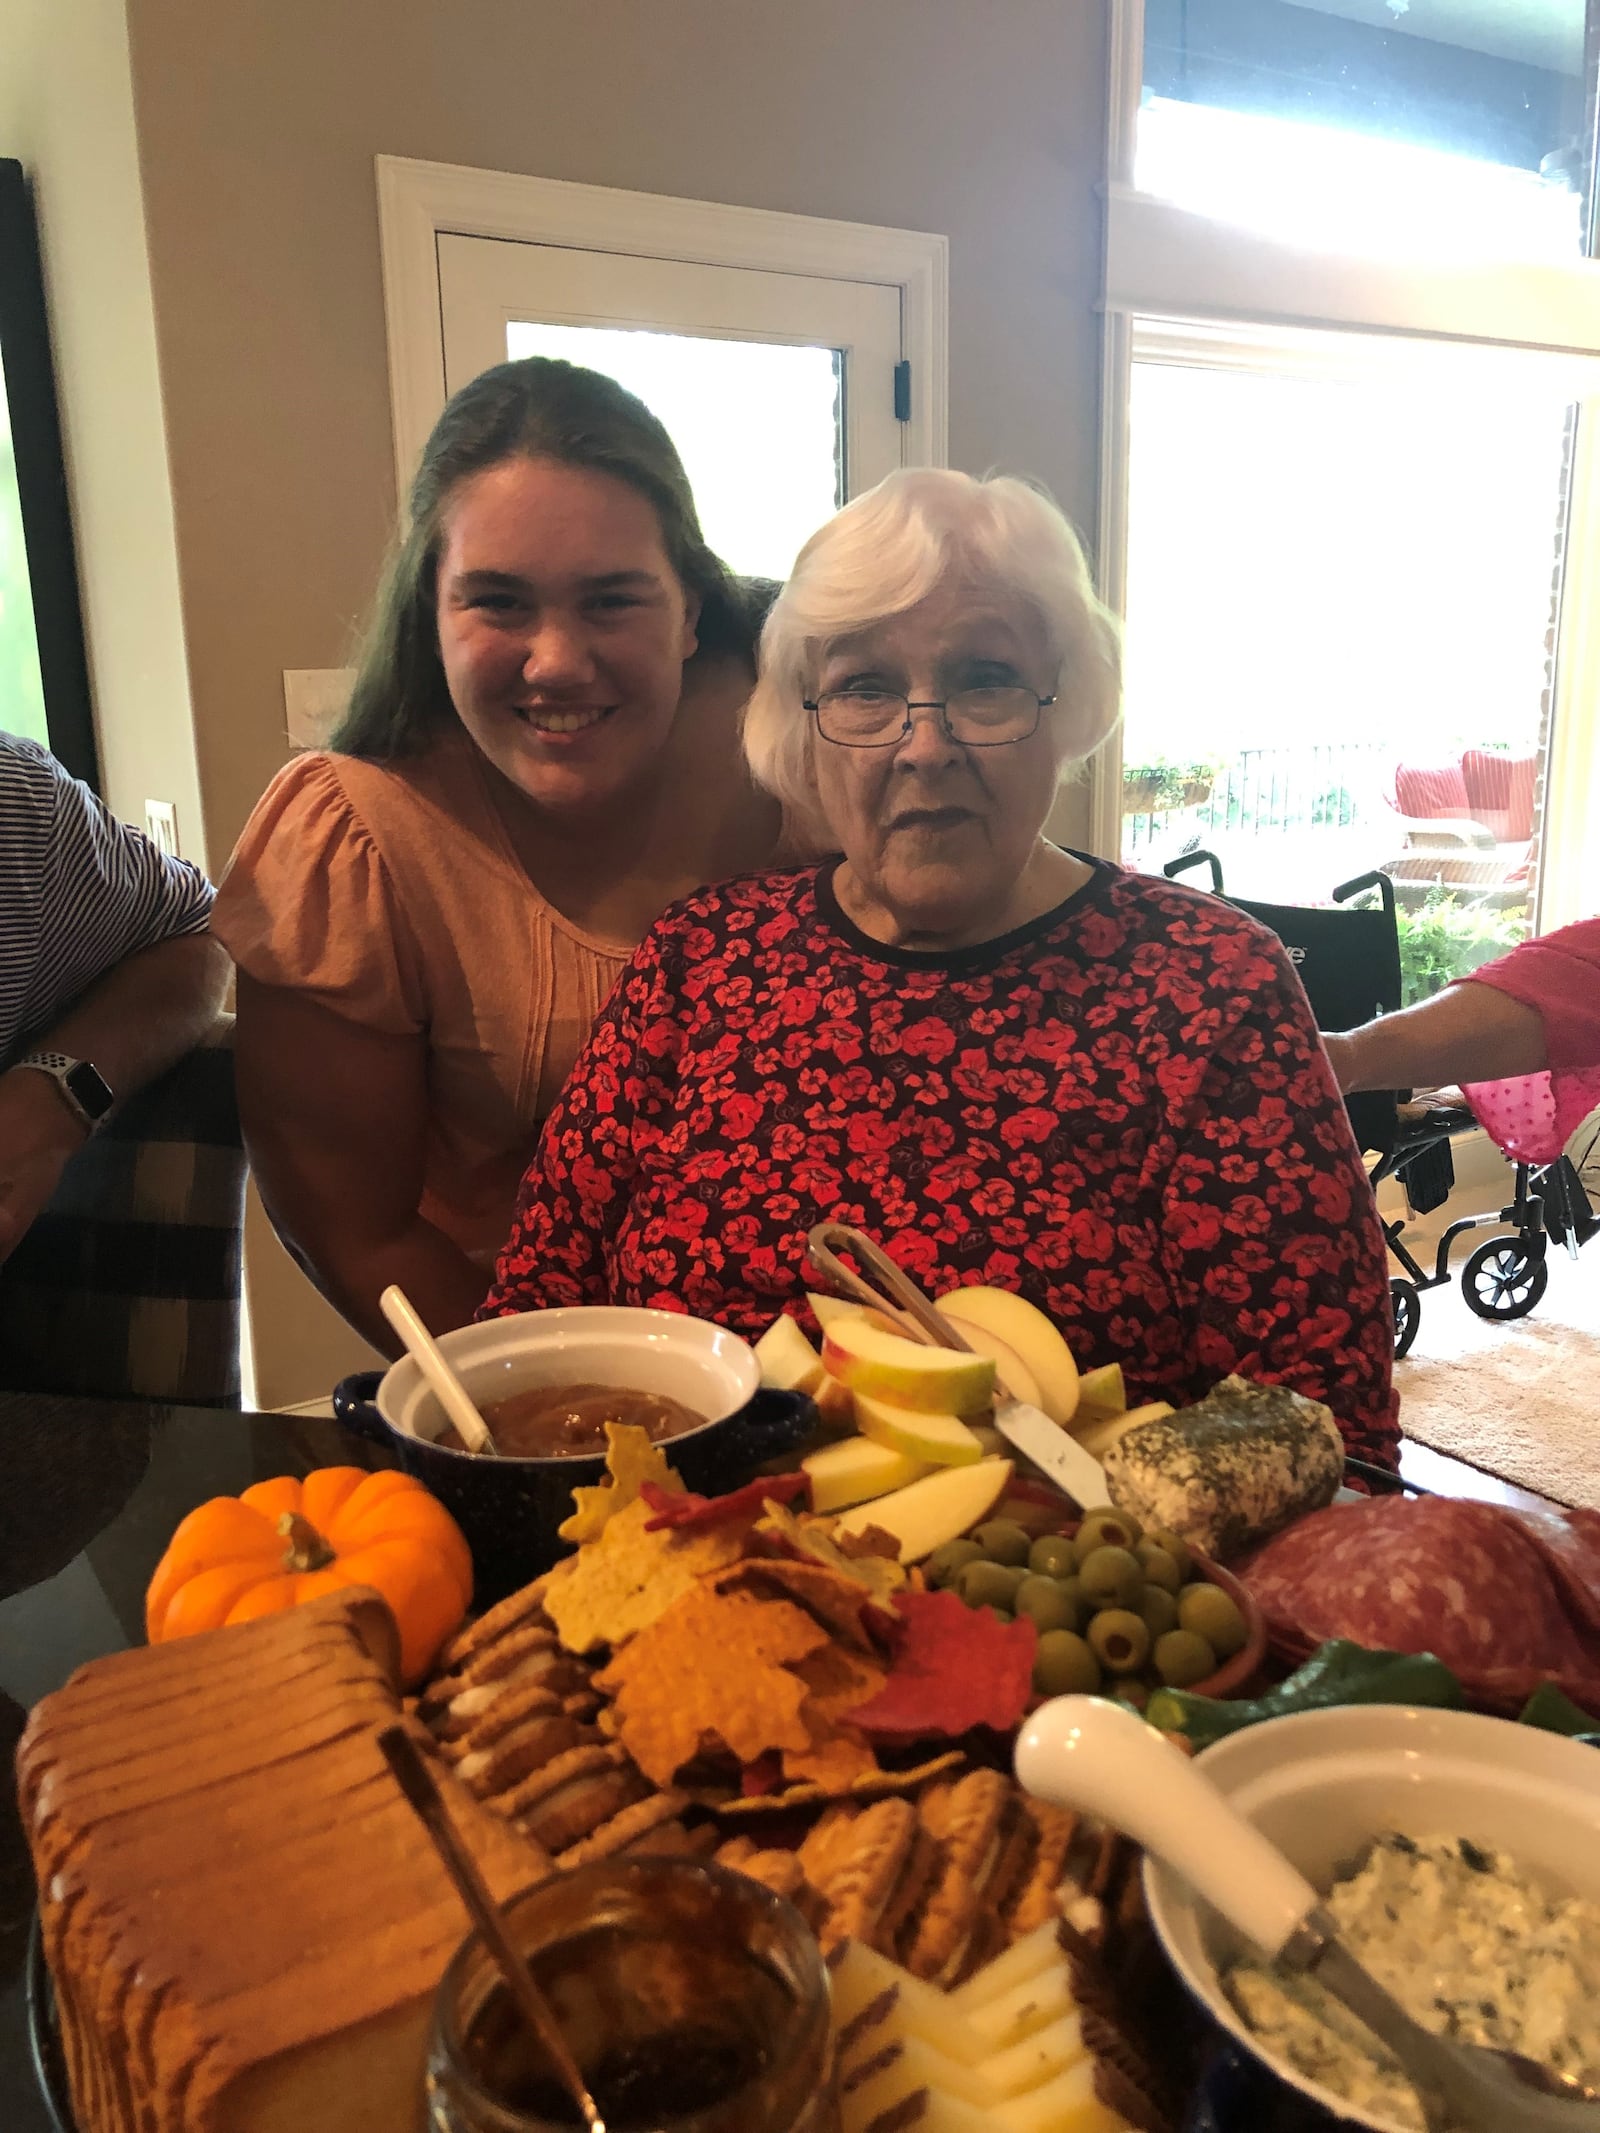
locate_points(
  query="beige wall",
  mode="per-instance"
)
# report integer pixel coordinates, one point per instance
(258, 124)
(66, 113)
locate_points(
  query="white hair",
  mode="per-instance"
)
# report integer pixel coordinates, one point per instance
(885, 553)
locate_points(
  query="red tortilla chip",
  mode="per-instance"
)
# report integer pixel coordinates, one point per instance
(958, 1667)
(697, 1512)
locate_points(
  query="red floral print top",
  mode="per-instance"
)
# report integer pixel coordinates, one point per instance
(1121, 1111)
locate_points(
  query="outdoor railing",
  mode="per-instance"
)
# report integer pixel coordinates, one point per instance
(1269, 791)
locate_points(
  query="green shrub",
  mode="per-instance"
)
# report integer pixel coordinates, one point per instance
(1443, 940)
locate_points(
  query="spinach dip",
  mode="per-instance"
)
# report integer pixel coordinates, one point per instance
(1467, 1943)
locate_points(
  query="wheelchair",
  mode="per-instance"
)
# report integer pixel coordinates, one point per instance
(1348, 960)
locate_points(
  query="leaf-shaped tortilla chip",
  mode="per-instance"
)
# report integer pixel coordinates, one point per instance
(633, 1460)
(958, 1667)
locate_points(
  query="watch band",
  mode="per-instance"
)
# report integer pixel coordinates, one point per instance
(83, 1088)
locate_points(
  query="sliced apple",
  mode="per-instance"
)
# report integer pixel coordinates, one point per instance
(788, 1361)
(855, 1470)
(935, 1440)
(904, 1373)
(1099, 1437)
(1101, 1392)
(1024, 1328)
(1011, 1372)
(827, 1308)
(836, 1404)
(938, 1508)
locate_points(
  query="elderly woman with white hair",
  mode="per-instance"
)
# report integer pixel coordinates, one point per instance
(1013, 1064)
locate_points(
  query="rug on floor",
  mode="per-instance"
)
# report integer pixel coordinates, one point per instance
(1520, 1398)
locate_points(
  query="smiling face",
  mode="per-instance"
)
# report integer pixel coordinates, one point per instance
(942, 842)
(563, 629)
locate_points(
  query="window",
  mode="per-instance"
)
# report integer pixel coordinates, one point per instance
(1352, 382)
(794, 362)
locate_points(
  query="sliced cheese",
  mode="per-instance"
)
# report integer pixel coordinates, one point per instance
(1032, 2005)
(1068, 2104)
(1024, 1959)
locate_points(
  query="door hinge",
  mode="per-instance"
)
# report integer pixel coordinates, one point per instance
(902, 392)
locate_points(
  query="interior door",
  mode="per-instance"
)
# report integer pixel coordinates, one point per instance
(778, 389)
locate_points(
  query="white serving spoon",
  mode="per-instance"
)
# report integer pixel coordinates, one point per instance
(1089, 1753)
(440, 1379)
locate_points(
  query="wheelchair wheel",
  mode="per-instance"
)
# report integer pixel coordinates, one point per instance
(1504, 1278)
(1407, 1314)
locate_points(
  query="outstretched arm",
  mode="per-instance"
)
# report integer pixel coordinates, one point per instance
(134, 1023)
(1468, 1032)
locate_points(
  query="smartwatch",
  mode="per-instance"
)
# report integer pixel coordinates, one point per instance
(82, 1087)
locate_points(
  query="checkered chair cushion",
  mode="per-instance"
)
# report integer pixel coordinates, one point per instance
(128, 1285)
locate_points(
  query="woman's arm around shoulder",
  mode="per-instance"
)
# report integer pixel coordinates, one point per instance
(1273, 1237)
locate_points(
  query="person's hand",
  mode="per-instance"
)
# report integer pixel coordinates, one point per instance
(38, 1134)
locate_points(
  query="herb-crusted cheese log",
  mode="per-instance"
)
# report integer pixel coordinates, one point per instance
(1232, 1469)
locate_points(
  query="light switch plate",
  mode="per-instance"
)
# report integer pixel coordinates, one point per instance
(314, 699)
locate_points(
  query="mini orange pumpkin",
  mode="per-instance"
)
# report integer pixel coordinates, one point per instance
(285, 1541)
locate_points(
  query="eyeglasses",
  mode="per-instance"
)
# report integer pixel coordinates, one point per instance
(976, 718)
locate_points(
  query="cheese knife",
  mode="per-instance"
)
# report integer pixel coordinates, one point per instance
(1058, 1454)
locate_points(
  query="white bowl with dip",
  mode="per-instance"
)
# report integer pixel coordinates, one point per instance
(704, 1366)
(511, 1509)
(1323, 1784)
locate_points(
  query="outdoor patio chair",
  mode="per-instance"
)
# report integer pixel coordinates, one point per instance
(1467, 827)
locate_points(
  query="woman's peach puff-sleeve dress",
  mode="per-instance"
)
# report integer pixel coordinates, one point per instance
(389, 893)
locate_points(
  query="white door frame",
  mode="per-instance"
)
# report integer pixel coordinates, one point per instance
(417, 202)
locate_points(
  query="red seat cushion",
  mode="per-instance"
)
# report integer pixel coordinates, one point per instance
(1425, 792)
(1500, 792)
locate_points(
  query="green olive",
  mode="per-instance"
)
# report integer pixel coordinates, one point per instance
(1106, 1529)
(994, 1445)
(1159, 1611)
(1052, 1556)
(987, 1584)
(1159, 1567)
(1064, 1665)
(1208, 1611)
(1003, 1541)
(1110, 1574)
(947, 1562)
(1119, 1640)
(1179, 1550)
(1182, 1659)
(1073, 1588)
(1047, 1602)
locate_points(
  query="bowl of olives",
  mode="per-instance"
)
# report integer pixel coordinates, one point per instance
(1120, 1610)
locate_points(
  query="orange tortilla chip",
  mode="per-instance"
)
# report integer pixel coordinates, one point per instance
(672, 1705)
(633, 1460)
(835, 1679)
(628, 1578)
(843, 1605)
(834, 1761)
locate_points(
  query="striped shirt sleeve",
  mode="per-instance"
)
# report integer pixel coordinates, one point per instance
(79, 891)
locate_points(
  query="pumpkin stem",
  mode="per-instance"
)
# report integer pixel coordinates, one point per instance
(307, 1550)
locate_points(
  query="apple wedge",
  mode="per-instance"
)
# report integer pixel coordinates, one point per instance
(935, 1440)
(938, 1508)
(904, 1373)
(1025, 1329)
(788, 1361)
(836, 1404)
(1098, 1438)
(1101, 1392)
(1011, 1373)
(855, 1470)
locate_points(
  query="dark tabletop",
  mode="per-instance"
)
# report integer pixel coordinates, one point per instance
(90, 1494)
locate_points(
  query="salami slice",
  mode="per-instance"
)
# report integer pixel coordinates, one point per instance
(1504, 1599)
